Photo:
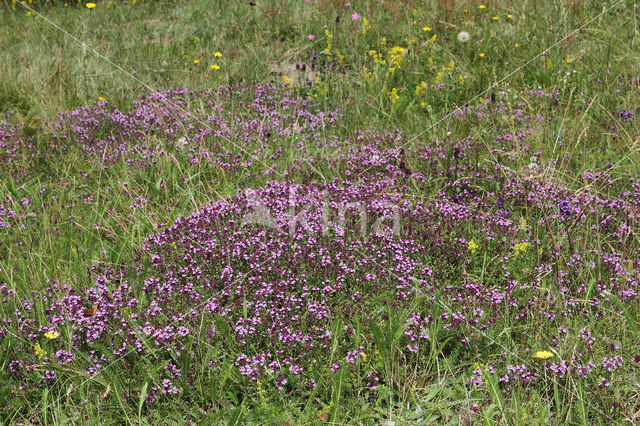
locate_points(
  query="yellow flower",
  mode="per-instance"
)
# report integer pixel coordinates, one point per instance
(509, 16)
(329, 40)
(393, 95)
(520, 248)
(215, 67)
(516, 45)
(482, 7)
(100, 98)
(217, 54)
(51, 335)
(472, 247)
(425, 29)
(90, 5)
(196, 62)
(543, 354)
(364, 356)
(365, 25)
(40, 353)
(287, 79)
(495, 18)
(481, 54)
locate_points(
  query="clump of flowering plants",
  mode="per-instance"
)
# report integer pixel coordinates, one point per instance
(344, 275)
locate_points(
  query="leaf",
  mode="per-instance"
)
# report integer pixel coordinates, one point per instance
(236, 416)
(143, 396)
(431, 395)
(378, 338)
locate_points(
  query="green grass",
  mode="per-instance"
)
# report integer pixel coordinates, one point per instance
(65, 57)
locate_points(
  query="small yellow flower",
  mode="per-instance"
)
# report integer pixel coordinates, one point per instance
(426, 29)
(365, 25)
(364, 356)
(516, 45)
(543, 354)
(217, 54)
(482, 7)
(472, 247)
(100, 98)
(287, 80)
(520, 248)
(40, 353)
(90, 5)
(481, 54)
(495, 18)
(196, 62)
(393, 95)
(509, 16)
(215, 67)
(51, 335)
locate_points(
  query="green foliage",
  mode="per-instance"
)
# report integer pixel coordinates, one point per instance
(389, 73)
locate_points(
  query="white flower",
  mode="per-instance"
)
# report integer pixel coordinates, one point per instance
(182, 142)
(463, 36)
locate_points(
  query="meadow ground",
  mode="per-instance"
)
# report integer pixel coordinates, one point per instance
(297, 211)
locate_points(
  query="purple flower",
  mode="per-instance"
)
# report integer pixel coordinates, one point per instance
(613, 363)
(168, 387)
(280, 380)
(64, 357)
(629, 115)
(354, 355)
(372, 380)
(49, 376)
(565, 208)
